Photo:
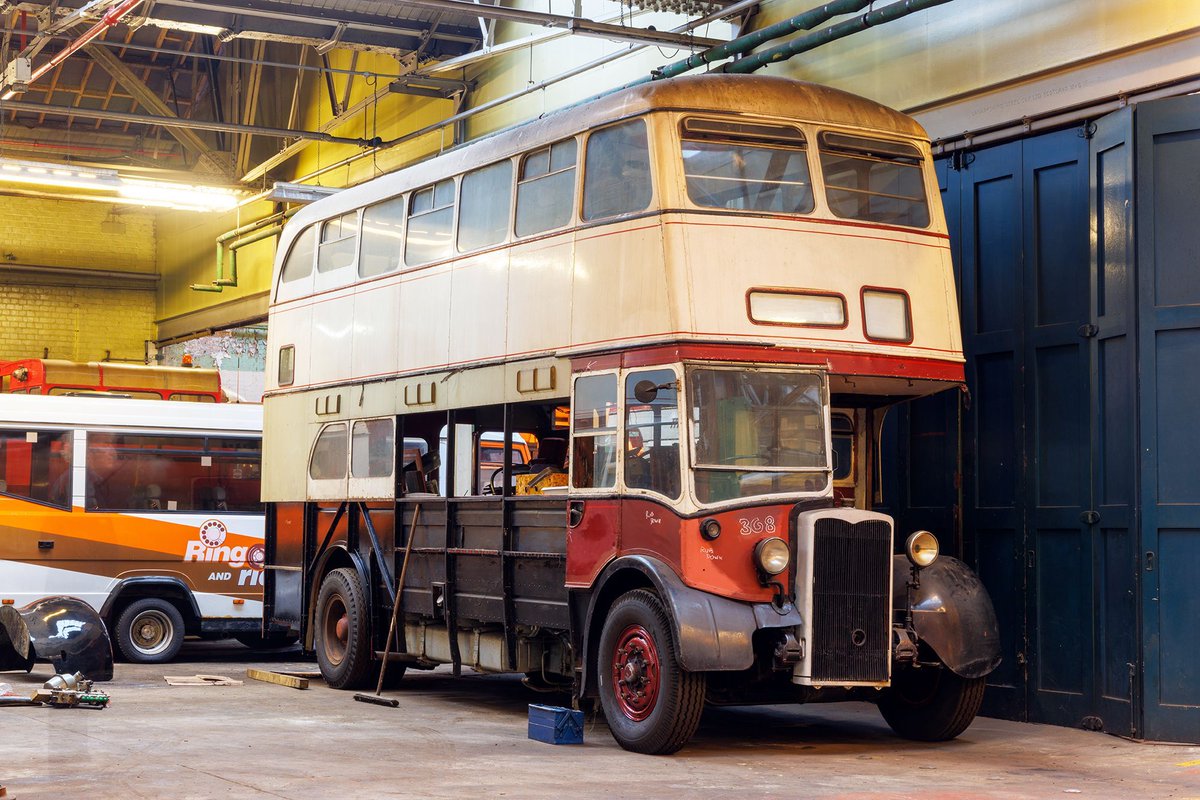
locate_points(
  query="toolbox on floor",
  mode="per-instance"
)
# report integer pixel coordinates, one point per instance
(555, 724)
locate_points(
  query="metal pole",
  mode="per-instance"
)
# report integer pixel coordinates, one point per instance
(803, 44)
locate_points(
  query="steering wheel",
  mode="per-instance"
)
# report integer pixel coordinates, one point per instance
(492, 488)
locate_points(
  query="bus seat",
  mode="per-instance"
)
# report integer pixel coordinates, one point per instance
(552, 453)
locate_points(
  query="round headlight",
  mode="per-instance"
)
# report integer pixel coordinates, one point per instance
(922, 548)
(710, 529)
(772, 555)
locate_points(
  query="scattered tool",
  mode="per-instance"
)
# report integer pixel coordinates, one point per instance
(70, 691)
(280, 678)
(377, 698)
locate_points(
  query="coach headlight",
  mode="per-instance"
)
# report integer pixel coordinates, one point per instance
(921, 549)
(772, 555)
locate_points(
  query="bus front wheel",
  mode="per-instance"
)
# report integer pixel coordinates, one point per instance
(652, 705)
(930, 704)
(150, 631)
(342, 635)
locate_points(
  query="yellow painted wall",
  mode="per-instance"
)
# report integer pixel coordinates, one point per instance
(73, 233)
(75, 317)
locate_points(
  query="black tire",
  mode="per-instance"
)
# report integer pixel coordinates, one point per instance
(343, 650)
(647, 713)
(931, 704)
(150, 631)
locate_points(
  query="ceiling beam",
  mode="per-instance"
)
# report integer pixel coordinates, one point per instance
(173, 122)
(183, 130)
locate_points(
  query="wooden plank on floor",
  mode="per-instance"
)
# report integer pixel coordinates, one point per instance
(279, 678)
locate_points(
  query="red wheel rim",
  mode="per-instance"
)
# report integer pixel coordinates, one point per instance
(636, 674)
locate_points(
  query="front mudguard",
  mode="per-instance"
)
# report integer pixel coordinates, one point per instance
(62, 630)
(952, 613)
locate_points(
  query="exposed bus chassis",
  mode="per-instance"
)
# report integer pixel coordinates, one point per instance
(484, 589)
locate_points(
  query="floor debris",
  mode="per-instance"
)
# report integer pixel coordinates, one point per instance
(200, 680)
(280, 678)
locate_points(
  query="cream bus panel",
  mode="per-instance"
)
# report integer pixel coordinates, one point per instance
(539, 306)
(376, 343)
(477, 313)
(620, 288)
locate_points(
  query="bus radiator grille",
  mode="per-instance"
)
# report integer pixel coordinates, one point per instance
(851, 601)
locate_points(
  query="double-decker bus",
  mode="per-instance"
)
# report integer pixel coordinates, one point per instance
(147, 511)
(699, 296)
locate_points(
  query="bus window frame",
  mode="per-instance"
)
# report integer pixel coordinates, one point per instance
(510, 224)
(72, 452)
(756, 499)
(410, 197)
(403, 199)
(623, 435)
(83, 438)
(928, 177)
(650, 121)
(356, 234)
(573, 218)
(617, 486)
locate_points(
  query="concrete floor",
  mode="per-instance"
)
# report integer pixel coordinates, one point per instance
(466, 738)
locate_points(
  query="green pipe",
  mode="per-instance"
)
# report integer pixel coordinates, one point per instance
(804, 43)
(260, 231)
(744, 44)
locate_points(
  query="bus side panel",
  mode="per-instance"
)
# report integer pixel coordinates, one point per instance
(285, 589)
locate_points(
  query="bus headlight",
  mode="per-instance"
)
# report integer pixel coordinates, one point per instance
(921, 548)
(772, 555)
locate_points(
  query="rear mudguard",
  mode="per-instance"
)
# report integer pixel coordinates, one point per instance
(953, 614)
(62, 630)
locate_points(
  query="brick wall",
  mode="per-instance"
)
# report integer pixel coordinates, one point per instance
(78, 323)
(78, 316)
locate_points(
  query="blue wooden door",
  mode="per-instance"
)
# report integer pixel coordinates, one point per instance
(1167, 170)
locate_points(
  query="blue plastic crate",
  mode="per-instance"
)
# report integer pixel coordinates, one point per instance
(555, 724)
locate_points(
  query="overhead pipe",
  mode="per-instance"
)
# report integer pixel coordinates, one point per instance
(803, 44)
(744, 44)
(264, 228)
(110, 18)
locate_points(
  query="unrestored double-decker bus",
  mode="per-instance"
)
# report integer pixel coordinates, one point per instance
(699, 296)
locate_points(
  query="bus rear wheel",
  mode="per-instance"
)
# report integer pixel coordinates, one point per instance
(150, 631)
(931, 704)
(342, 636)
(652, 705)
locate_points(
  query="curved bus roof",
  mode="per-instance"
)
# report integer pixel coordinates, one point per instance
(738, 94)
(32, 411)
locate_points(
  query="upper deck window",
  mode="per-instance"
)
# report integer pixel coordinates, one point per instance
(430, 224)
(338, 238)
(546, 188)
(616, 177)
(874, 180)
(484, 206)
(299, 262)
(382, 237)
(744, 166)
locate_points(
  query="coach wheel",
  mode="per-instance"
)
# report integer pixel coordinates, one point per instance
(652, 705)
(931, 704)
(342, 636)
(150, 631)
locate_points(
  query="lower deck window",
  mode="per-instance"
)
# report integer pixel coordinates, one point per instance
(36, 465)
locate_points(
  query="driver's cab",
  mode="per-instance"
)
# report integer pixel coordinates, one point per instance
(702, 435)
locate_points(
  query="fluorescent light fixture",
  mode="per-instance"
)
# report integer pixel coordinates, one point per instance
(141, 191)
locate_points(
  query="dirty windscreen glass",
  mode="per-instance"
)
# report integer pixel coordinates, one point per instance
(757, 432)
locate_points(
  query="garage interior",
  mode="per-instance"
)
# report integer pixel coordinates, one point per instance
(152, 150)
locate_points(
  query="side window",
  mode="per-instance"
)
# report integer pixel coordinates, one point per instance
(843, 447)
(382, 238)
(299, 261)
(652, 431)
(287, 365)
(484, 206)
(338, 237)
(616, 176)
(36, 465)
(373, 448)
(430, 224)
(546, 188)
(328, 460)
(594, 432)
(874, 180)
(134, 472)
